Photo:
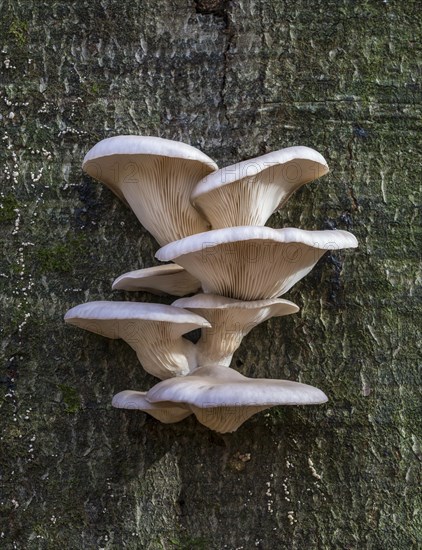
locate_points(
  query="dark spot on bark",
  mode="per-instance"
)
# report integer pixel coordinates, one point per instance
(217, 8)
(329, 224)
(360, 132)
(347, 220)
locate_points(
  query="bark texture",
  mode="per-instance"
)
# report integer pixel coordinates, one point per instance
(236, 79)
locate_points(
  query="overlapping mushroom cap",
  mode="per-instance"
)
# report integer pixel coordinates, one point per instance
(253, 263)
(163, 279)
(223, 399)
(165, 412)
(248, 192)
(154, 331)
(155, 176)
(230, 321)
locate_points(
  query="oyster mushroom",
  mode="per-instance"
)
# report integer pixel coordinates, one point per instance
(155, 176)
(154, 331)
(253, 263)
(248, 192)
(223, 399)
(163, 279)
(165, 412)
(230, 321)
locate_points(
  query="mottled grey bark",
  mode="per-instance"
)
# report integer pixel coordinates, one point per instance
(235, 79)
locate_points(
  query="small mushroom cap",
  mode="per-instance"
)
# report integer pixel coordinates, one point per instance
(101, 317)
(248, 192)
(250, 262)
(168, 413)
(163, 279)
(209, 387)
(99, 162)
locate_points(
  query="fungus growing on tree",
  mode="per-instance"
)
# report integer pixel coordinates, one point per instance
(162, 279)
(248, 192)
(240, 266)
(253, 263)
(154, 331)
(155, 177)
(230, 320)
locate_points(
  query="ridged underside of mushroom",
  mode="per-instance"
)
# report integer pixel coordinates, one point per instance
(154, 331)
(167, 413)
(251, 270)
(230, 321)
(225, 419)
(252, 199)
(157, 189)
(163, 279)
(250, 262)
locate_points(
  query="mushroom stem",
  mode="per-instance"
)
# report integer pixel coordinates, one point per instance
(230, 321)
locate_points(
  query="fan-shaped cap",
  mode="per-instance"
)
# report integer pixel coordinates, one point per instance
(165, 412)
(163, 279)
(230, 321)
(222, 399)
(248, 192)
(155, 176)
(154, 331)
(253, 263)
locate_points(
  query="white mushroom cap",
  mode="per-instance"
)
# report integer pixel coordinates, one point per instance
(222, 399)
(154, 331)
(253, 263)
(165, 412)
(163, 279)
(155, 176)
(248, 192)
(230, 321)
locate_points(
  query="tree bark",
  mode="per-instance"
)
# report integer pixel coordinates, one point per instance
(236, 79)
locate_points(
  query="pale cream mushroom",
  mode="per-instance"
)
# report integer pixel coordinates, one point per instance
(248, 192)
(155, 176)
(230, 321)
(223, 399)
(154, 331)
(253, 263)
(163, 279)
(165, 412)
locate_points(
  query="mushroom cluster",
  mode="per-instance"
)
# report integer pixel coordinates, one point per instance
(210, 223)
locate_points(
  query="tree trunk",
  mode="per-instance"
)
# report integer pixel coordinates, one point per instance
(236, 79)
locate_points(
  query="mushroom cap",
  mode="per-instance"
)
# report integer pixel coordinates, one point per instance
(163, 279)
(248, 192)
(99, 164)
(223, 399)
(101, 317)
(155, 176)
(209, 387)
(250, 262)
(165, 412)
(154, 331)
